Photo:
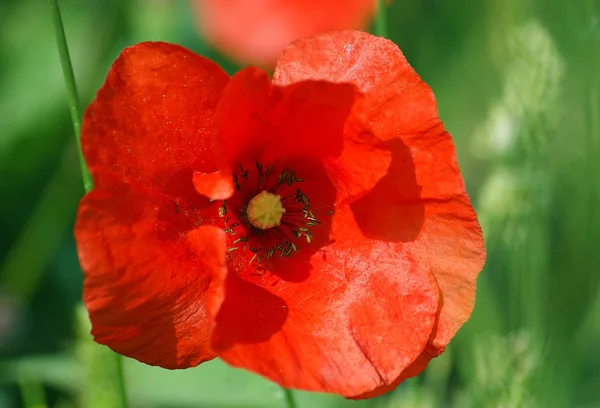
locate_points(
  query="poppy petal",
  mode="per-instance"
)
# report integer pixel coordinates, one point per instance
(306, 119)
(153, 117)
(429, 214)
(413, 370)
(213, 185)
(256, 31)
(422, 202)
(353, 324)
(144, 287)
(398, 103)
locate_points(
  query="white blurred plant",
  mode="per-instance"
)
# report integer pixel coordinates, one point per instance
(514, 201)
(514, 206)
(531, 90)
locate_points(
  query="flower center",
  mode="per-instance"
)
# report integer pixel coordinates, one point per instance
(268, 215)
(265, 210)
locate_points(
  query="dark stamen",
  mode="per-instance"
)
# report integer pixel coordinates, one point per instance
(244, 173)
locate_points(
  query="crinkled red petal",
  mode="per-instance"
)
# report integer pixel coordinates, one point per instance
(310, 119)
(151, 122)
(413, 370)
(347, 320)
(144, 287)
(302, 120)
(421, 206)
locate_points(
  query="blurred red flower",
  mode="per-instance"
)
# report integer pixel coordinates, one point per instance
(256, 31)
(314, 229)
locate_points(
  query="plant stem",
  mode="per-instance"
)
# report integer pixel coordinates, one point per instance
(121, 380)
(289, 398)
(32, 393)
(71, 87)
(380, 27)
(74, 107)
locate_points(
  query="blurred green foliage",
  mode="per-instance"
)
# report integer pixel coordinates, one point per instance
(518, 86)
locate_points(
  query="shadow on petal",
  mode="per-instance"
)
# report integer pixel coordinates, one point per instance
(247, 314)
(392, 211)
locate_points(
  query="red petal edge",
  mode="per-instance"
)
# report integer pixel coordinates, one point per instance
(144, 287)
(151, 122)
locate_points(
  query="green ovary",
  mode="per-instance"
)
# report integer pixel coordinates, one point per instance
(265, 210)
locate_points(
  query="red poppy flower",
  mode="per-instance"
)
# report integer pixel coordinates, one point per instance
(256, 31)
(313, 228)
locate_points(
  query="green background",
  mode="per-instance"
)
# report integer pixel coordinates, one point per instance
(518, 86)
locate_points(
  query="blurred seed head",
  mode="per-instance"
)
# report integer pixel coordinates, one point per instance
(508, 198)
(411, 397)
(503, 369)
